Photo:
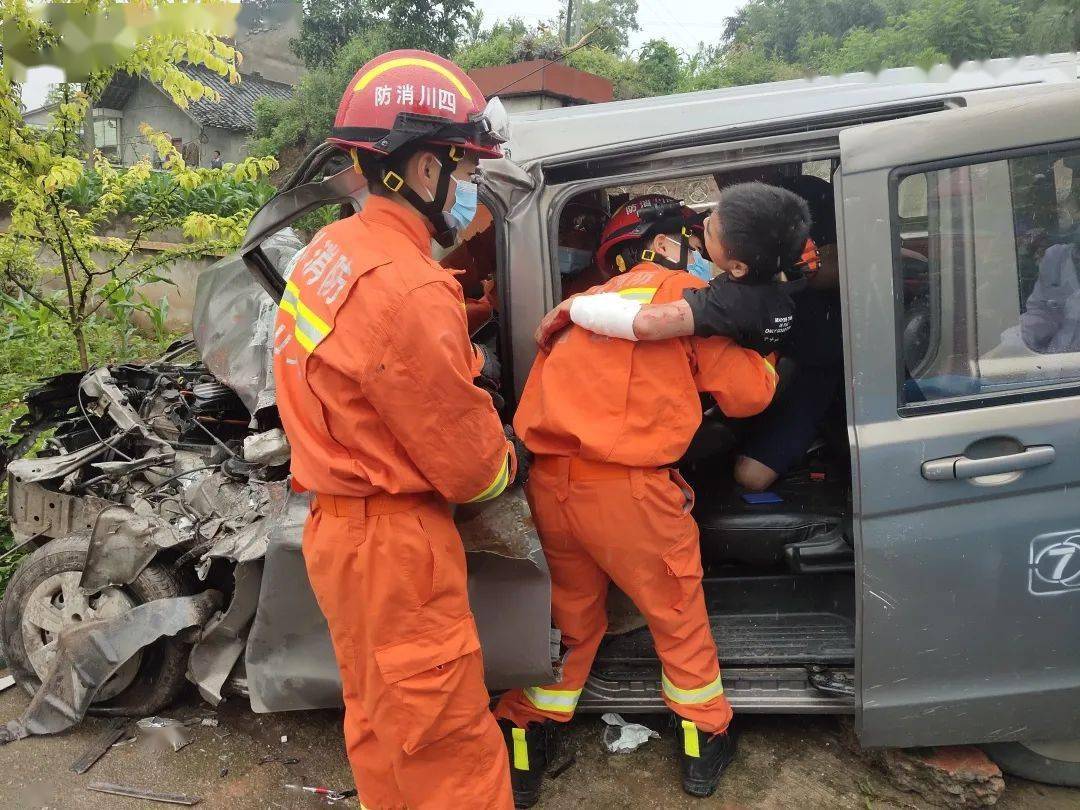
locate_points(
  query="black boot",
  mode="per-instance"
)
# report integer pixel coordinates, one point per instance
(703, 757)
(531, 751)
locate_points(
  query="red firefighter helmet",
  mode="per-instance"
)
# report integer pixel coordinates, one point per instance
(403, 97)
(641, 218)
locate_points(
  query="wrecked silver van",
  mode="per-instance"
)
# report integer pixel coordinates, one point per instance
(920, 569)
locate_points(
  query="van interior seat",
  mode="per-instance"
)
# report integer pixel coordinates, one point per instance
(808, 530)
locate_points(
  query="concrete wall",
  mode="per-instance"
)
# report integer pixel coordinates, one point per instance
(151, 106)
(520, 104)
(148, 105)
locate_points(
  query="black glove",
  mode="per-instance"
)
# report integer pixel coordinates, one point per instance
(524, 457)
(757, 316)
(490, 377)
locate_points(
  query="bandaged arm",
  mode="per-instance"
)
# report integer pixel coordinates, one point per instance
(606, 314)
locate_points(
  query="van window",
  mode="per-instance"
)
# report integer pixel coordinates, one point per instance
(990, 292)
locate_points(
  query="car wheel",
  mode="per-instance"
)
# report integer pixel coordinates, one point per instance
(1055, 763)
(43, 598)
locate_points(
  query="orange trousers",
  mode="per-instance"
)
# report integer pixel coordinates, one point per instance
(389, 575)
(601, 523)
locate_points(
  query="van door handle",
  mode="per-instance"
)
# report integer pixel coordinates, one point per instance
(953, 467)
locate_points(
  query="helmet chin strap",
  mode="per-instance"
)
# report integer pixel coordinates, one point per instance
(664, 261)
(432, 210)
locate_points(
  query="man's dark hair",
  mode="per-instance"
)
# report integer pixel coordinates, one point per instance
(765, 227)
(217, 151)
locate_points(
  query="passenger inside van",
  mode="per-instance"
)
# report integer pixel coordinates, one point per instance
(1050, 322)
(580, 226)
(813, 365)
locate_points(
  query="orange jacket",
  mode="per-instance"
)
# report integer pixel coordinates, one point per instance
(374, 368)
(636, 404)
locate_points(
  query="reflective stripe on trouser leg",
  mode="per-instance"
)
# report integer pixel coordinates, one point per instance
(521, 750)
(552, 700)
(690, 697)
(691, 744)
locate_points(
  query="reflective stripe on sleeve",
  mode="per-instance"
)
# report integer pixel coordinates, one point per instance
(552, 700)
(521, 750)
(310, 330)
(643, 295)
(687, 697)
(691, 744)
(496, 487)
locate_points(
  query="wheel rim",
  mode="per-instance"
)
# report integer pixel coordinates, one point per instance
(57, 604)
(1061, 750)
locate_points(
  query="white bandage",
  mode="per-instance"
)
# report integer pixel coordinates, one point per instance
(606, 314)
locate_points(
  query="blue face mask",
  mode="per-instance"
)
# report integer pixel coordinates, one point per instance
(699, 267)
(573, 260)
(464, 210)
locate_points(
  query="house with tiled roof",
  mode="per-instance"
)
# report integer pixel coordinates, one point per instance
(199, 130)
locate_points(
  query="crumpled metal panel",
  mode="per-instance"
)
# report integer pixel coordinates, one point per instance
(222, 641)
(48, 468)
(36, 510)
(233, 322)
(509, 591)
(123, 543)
(90, 653)
(289, 659)
(290, 662)
(263, 506)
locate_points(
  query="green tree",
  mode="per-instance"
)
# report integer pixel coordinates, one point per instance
(55, 252)
(736, 65)
(327, 25)
(307, 117)
(660, 68)
(1052, 27)
(779, 26)
(616, 19)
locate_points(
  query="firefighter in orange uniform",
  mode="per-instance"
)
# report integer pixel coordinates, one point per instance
(374, 374)
(605, 419)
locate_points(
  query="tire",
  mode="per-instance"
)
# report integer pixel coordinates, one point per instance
(148, 685)
(1055, 763)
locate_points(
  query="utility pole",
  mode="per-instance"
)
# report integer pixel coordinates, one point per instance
(569, 20)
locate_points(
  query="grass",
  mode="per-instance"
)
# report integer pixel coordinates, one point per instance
(34, 351)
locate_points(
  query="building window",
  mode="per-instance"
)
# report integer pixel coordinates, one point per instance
(107, 137)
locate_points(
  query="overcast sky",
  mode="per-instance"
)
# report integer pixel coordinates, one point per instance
(684, 26)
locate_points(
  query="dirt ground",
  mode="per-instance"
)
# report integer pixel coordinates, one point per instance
(784, 762)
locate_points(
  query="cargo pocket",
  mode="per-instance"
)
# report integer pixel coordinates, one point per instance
(435, 682)
(683, 561)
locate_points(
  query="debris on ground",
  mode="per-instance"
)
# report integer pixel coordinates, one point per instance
(956, 776)
(164, 732)
(7, 682)
(621, 737)
(279, 759)
(112, 734)
(329, 793)
(562, 767)
(212, 722)
(139, 793)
